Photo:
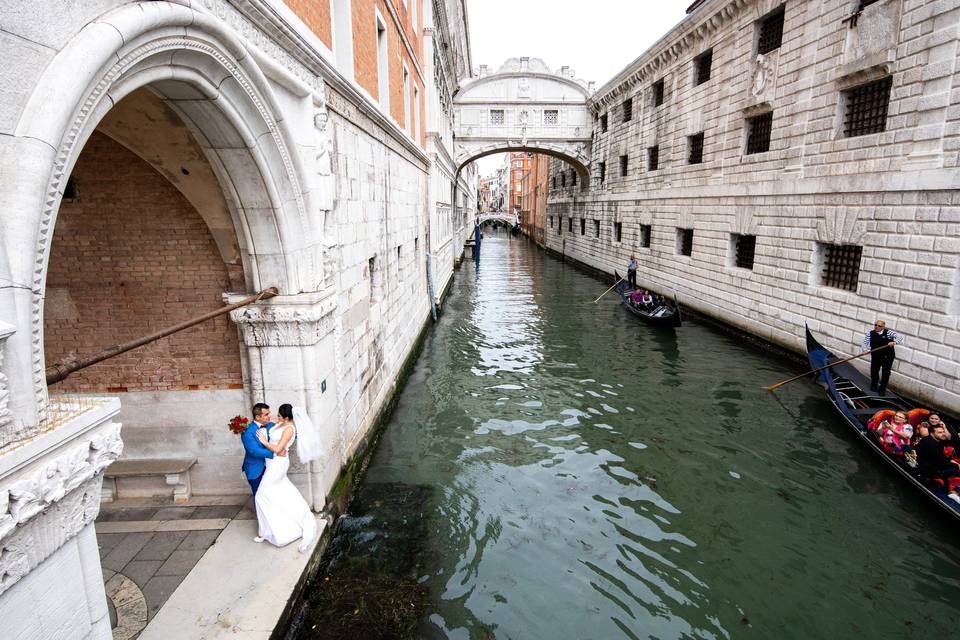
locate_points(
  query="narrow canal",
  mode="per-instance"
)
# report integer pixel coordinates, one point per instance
(556, 469)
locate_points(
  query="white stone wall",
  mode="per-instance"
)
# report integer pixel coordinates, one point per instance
(893, 193)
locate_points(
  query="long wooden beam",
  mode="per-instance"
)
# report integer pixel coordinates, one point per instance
(59, 371)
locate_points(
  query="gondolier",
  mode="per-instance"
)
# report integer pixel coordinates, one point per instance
(632, 272)
(881, 361)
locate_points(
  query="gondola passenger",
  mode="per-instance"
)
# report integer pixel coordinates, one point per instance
(636, 298)
(897, 434)
(935, 455)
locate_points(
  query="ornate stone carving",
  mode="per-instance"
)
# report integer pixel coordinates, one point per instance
(761, 75)
(50, 503)
(284, 325)
(840, 225)
(326, 186)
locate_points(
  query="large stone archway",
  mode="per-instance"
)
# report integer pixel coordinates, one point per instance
(204, 74)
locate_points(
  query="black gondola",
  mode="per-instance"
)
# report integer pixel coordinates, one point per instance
(849, 391)
(664, 313)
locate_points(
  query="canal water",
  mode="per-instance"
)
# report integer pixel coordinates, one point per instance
(557, 469)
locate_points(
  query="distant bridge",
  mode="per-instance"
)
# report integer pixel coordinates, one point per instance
(497, 216)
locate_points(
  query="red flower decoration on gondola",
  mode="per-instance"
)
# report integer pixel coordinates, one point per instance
(238, 424)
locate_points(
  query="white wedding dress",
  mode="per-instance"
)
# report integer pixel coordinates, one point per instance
(282, 513)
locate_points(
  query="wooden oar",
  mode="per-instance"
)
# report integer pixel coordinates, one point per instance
(826, 366)
(608, 290)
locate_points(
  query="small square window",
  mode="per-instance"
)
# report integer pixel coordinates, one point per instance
(645, 231)
(684, 242)
(867, 106)
(603, 123)
(744, 248)
(701, 67)
(551, 116)
(770, 31)
(758, 133)
(617, 231)
(624, 168)
(658, 93)
(602, 172)
(695, 148)
(653, 158)
(583, 226)
(496, 116)
(628, 110)
(841, 265)
(596, 228)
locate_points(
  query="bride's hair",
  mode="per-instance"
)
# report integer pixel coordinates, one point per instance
(286, 411)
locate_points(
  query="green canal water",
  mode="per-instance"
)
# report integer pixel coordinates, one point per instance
(557, 469)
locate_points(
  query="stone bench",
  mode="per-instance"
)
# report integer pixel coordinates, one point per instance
(176, 472)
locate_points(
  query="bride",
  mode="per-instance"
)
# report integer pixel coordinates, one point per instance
(282, 513)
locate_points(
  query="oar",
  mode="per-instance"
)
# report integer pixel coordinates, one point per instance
(608, 290)
(826, 366)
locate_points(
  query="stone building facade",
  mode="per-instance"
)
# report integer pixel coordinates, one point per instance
(779, 162)
(161, 158)
(535, 186)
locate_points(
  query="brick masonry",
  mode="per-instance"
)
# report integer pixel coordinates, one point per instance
(893, 193)
(132, 256)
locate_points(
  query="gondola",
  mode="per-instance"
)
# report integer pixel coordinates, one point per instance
(849, 391)
(666, 313)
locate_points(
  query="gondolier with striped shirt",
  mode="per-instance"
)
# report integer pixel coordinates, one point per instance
(881, 361)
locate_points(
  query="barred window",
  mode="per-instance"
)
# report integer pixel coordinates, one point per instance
(695, 148)
(602, 172)
(563, 179)
(623, 165)
(617, 231)
(653, 158)
(553, 182)
(745, 247)
(658, 93)
(583, 226)
(770, 31)
(570, 225)
(628, 109)
(758, 133)
(551, 116)
(496, 116)
(867, 105)
(645, 236)
(684, 242)
(603, 123)
(573, 176)
(596, 228)
(865, 3)
(550, 218)
(701, 66)
(841, 266)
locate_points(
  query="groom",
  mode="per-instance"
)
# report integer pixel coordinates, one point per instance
(256, 453)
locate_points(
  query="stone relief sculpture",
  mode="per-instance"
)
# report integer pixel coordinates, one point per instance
(324, 160)
(761, 75)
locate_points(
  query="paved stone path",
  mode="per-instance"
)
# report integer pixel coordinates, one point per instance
(147, 548)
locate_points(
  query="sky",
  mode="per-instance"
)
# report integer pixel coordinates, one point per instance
(597, 38)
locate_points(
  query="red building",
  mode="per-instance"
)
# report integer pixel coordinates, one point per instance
(519, 167)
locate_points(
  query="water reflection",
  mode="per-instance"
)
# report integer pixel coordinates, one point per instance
(573, 473)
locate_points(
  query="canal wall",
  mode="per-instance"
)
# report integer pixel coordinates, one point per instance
(748, 180)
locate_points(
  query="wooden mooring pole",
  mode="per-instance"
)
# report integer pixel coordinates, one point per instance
(59, 371)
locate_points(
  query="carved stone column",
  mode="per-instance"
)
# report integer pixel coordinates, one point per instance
(290, 358)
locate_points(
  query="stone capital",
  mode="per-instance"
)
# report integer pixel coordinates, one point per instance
(285, 321)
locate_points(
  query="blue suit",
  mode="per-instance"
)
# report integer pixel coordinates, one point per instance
(254, 458)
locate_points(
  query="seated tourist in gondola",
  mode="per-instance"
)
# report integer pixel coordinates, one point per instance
(933, 419)
(647, 298)
(935, 455)
(896, 434)
(636, 298)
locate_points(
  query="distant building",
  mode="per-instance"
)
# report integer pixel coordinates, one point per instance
(533, 197)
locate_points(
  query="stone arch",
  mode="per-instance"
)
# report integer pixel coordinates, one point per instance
(206, 75)
(574, 157)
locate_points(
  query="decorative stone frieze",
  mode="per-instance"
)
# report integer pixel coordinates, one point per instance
(6, 418)
(285, 321)
(47, 502)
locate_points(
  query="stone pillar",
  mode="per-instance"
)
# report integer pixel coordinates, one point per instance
(290, 358)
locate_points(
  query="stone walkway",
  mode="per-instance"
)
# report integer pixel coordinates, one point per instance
(148, 548)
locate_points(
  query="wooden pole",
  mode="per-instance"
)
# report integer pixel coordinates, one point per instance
(59, 371)
(608, 290)
(826, 366)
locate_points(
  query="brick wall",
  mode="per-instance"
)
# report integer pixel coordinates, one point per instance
(316, 15)
(131, 256)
